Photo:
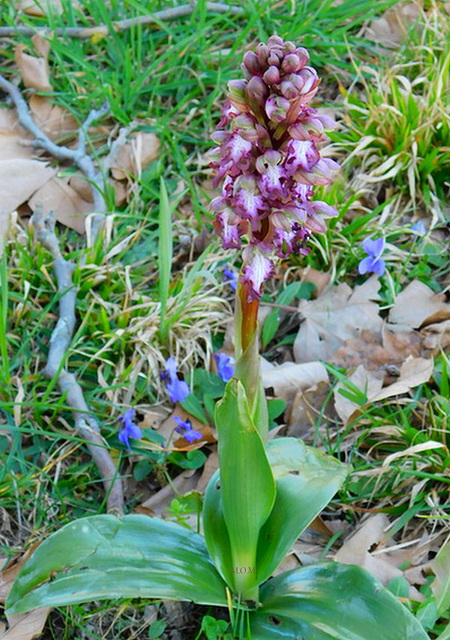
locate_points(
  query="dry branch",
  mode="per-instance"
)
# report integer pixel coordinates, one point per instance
(85, 424)
(44, 223)
(122, 25)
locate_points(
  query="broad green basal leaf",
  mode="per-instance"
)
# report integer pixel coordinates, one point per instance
(331, 602)
(107, 557)
(306, 480)
(246, 481)
(215, 529)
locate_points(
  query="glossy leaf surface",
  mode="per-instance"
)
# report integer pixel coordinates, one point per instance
(107, 557)
(246, 481)
(215, 529)
(306, 480)
(331, 602)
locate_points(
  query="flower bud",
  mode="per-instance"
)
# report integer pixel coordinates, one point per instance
(289, 90)
(302, 55)
(257, 90)
(262, 52)
(291, 63)
(275, 41)
(251, 62)
(236, 89)
(272, 75)
(274, 59)
(289, 47)
(277, 108)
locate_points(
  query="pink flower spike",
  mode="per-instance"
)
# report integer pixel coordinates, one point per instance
(269, 161)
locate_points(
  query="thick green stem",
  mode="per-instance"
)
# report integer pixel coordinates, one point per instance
(248, 369)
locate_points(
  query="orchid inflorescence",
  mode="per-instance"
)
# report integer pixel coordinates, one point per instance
(269, 160)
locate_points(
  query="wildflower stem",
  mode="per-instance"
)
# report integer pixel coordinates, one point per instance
(249, 316)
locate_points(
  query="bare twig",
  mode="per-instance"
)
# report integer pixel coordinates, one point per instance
(85, 424)
(121, 25)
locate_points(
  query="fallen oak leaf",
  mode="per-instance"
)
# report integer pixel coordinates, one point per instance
(55, 121)
(134, 155)
(418, 306)
(20, 178)
(339, 314)
(24, 626)
(413, 372)
(68, 206)
(35, 72)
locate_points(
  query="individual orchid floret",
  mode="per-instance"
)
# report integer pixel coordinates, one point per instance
(177, 389)
(373, 263)
(185, 429)
(128, 429)
(268, 161)
(225, 366)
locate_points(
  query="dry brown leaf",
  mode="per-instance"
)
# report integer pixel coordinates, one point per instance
(35, 72)
(23, 626)
(135, 154)
(26, 626)
(336, 316)
(365, 380)
(391, 29)
(321, 279)
(13, 137)
(418, 306)
(382, 351)
(307, 406)
(58, 196)
(289, 378)
(414, 371)
(160, 501)
(57, 123)
(20, 178)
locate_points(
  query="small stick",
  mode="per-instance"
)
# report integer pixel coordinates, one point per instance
(103, 30)
(85, 424)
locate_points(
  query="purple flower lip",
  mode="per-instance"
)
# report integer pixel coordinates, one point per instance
(268, 160)
(185, 429)
(373, 263)
(128, 429)
(177, 389)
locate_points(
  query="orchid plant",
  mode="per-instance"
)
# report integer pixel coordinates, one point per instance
(266, 491)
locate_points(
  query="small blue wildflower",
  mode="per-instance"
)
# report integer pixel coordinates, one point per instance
(373, 263)
(225, 366)
(231, 278)
(128, 429)
(419, 228)
(186, 430)
(178, 390)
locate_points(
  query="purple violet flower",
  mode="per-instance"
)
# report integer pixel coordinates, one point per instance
(128, 429)
(225, 366)
(185, 429)
(373, 263)
(231, 278)
(419, 228)
(177, 389)
(269, 161)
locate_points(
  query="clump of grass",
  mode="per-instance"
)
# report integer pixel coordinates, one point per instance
(397, 120)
